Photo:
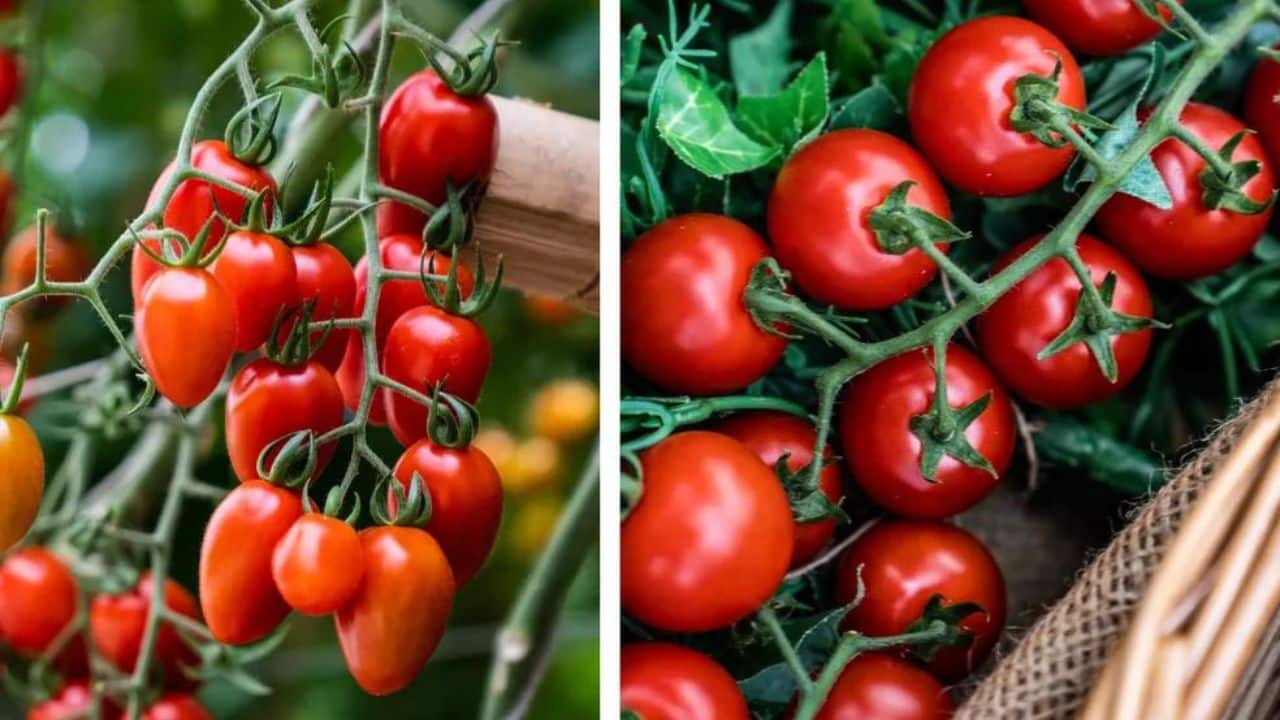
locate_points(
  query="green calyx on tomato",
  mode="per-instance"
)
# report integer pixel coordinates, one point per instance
(472, 74)
(941, 433)
(900, 226)
(407, 507)
(944, 617)
(291, 343)
(1038, 111)
(448, 294)
(452, 225)
(1095, 324)
(451, 421)
(289, 461)
(336, 71)
(1223, 181)
(178, 251)
(251, 131)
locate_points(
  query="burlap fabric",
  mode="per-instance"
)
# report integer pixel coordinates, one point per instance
(1051, 669)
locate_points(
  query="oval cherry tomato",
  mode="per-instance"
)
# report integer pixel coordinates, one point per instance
(397, 297)
(1096, 27)
(962, 95)
(819, 219)
(267, 401)
(876, 686)
(239, 597)
(177, 706)
(884, 453)
(711, 538)
(74, 700)
(663, 681)
(186, 331)
(1014, 330)
(1261, 111)
(427, 346)
(904, 564)
(466, 501)
(117, 624)
(429, 135)
(326, 277)
(10, 80)
(22, 482)
(684, 325)
(771, 435)
(257, 271)
(64, 262)
(318, 564)
(1190, 240)
(195, 201)
(394, 623)
(39, 599)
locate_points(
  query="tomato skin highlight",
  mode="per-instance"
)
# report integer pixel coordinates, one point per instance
(22, 482)
(237, 592)
(883, 453)
(664, 681)
(684, 325)
(74, 700)
(317, 566)
(186, 332)
(1096, 27)
(427, 346)
(1013, 331)
(877, 686)
(117, 624)
(1190, 240)
(392, 626)
(711, 538)
(770, 435)
(961, 97)
(466, 501)
(177, 706)
(325, 276)
(267, 401)
(905, 563)
(428, 135)
(819, 219)
(257, 271)
(39, 599)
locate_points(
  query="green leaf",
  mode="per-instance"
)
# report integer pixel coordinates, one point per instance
(758, 58)
(871, 107)
(793, 115)
(1068, 442)
(696, 126)
(852, 35)
(631, 47)
(814, 637)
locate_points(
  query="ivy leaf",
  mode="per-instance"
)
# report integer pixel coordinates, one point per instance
(696, 125)
(871, 107)
(758, 58)
(631, 48)
(792, 116)
(814, 637)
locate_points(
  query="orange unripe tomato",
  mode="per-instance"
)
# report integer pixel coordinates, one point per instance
(21, 479)
(318, 564)
(565, 410)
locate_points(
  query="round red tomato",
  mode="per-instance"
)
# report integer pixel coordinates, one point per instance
(10, 80)
(39, 599)
(429, 135)
(684, 325)
(63, 258)
(394, 623)
(1014, 330)
(770, 435)
(1261, 111)
(427, 346)
(194, 201)
(74, 700)
(267, 401)
(237, 592)
(962, 95)
(326, 277)
(663, 681)
(466, 501)
(256, 269)
(22, 483)
(711, 538)
(1096, 27)
(819, 219)
(318, 564)
(117, 624)
(876, 686)
(186, 330)
(884, 453)
(904, 564)
(177, 706)
(1190, 240)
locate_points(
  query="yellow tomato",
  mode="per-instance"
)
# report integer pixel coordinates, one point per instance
(565, 410)
(22, 479)
(534, 522)
(534, 464)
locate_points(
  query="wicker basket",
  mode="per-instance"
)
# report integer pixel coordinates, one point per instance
(1178, 616)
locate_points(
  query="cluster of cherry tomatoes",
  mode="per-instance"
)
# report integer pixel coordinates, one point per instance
(713, 537)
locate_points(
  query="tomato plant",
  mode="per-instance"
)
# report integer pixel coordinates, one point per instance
(1096, 27)
(64, 262)
(118, 622)
(325, 276)
(318, 564)
(186, 327)
(662, 680)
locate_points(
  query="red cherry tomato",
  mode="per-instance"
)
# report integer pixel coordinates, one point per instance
(962, 95)
(684, 325)
(904, 564)
(466, 501)
(819, 219)
(239, 597)
(318, 564)
(1014, 330)
(663, 681)
(177, 706)
(186, 331)
(39, 599)
(195, 201)
(10, 80)
(397, 297)
(770, 435)
(117, 624)
(875, 686)
(267, 401)
(1190, 240)
(257, 271)
(429, 135)
(1096, 27)
(64, 262)
(326, 277)
(394, 623)
(8, 199)
(711, 538)
(884, 454)
(74, 700)
(1261, 111)
(427, 346)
